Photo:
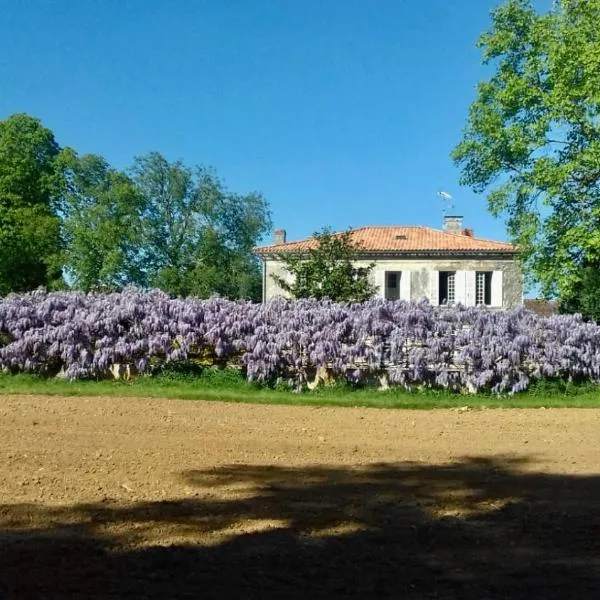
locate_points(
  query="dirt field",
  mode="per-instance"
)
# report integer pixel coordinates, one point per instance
(132, 498)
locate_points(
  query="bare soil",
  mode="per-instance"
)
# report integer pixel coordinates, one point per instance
(131, 498)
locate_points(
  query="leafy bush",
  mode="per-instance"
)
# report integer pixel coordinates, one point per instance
(184, 371)
(553, 387)
(412, 344)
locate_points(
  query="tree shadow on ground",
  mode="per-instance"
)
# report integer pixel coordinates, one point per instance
(474, 529)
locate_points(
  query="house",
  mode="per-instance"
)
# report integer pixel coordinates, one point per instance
(445, 266)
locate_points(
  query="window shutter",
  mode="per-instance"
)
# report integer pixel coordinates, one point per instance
(497, 288)
(405, 286)
(461, 287)
(434, 287)
(470, 288)
(380, 283)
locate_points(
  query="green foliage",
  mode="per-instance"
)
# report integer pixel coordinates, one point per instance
(31, 183)
(29, 249)
(585, 298)
(532, 138)
(163, 225)
(328, 271)
(197, 235)
(225, 271)
(549, 387)
(186, 372)
(102, 225)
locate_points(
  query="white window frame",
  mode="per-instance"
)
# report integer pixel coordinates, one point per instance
(451, 289)
(480, 277)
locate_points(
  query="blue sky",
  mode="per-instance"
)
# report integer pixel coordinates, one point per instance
(341, 112)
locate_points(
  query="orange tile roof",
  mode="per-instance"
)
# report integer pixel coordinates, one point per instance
(401, 239)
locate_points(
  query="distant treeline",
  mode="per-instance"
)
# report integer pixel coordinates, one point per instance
(74, 222)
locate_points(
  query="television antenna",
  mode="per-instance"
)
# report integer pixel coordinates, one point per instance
(447, 202)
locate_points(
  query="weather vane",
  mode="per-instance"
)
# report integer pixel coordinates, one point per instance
(448, 201)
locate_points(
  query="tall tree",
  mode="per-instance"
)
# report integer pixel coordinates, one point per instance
(102, 212)
(328, 270)
(225, 271)
(197, 235)
(532, 138)
(31, 184)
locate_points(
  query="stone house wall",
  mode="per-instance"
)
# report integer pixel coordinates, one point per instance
(419, 277)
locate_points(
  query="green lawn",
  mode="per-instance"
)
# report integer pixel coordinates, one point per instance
(230, 388)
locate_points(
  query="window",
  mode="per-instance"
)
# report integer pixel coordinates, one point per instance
(392, 285)
(483, 288)
(447, 293)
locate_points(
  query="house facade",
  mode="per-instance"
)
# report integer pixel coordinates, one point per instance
(447, 266)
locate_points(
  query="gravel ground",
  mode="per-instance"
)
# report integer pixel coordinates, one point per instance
(138, 498)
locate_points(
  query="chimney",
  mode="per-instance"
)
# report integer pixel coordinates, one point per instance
(279, 236)
(453, 224)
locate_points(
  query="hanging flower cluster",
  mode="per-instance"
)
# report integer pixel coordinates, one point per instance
(413, 343)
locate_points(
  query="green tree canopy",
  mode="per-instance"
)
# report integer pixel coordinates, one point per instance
(328, 270)
(102, 212)
(198, 235)
(161, 225)
(532, 138)
(585, 298)
(31, 184)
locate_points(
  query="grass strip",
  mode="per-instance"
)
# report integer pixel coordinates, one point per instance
(228, 389)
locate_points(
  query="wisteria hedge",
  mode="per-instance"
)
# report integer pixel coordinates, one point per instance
(467, 349)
